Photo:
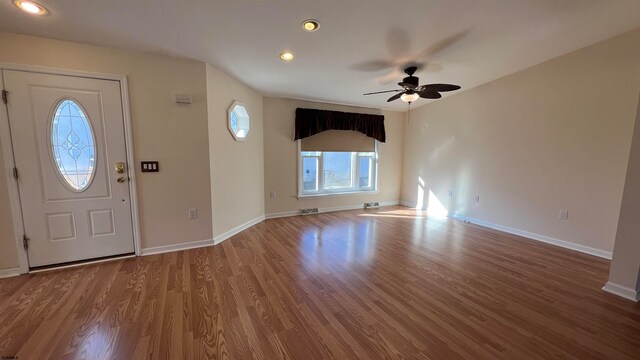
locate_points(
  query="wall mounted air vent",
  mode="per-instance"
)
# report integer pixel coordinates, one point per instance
(309, 211)
(370, 205)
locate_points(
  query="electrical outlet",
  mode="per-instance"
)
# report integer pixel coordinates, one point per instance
(564, 214)
(477, 199)
(450, 193)
(193, 214)
(272, 194)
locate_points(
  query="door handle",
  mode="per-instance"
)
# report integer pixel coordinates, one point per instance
(121, 179)
(120, 167)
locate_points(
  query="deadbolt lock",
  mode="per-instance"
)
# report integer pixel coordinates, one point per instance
(121, 179)
(120, 167)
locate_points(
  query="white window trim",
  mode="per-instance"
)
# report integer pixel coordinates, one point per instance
(354, 175)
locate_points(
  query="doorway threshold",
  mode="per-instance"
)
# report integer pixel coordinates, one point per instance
(40, 269)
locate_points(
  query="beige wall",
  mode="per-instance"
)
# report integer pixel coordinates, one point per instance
(625, 267)
(281, 161)
(176, 135)
(554, 136)
(237, 169)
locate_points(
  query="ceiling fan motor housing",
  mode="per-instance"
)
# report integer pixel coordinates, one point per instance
(411, 80)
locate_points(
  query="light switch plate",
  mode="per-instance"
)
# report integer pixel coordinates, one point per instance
(149, 166)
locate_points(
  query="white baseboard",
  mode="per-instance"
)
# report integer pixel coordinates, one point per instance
(201, 243)
(9, 272)
(408, 203)
(224, 236)
(622, 291)
(533, 236)
(389, 203)
(328, 209)
(355, 207)
(282, 214)
(177, 247)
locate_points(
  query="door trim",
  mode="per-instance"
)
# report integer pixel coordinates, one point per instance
(9, 158)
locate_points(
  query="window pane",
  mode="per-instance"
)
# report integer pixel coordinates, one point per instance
(310, 174)
(365, 172)
(337, 170)
(234, 121)
(72, 145)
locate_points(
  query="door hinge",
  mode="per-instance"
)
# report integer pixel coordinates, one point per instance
(15, 173)
(5, 96)
(25, 241)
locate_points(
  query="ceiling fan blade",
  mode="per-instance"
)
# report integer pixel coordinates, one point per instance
(432, 67)
(395, 97)
(390, 77)
(382, 92)
(398, 40)
(440, 87)
(373, 65)
(426, 94)
(442, 45)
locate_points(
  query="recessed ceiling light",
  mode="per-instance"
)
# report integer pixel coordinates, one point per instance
(310, 25)
(31, 7)
(286, 56)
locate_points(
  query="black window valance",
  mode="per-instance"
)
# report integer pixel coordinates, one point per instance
(311, 121)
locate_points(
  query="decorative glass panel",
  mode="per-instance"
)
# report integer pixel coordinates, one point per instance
(72, 142)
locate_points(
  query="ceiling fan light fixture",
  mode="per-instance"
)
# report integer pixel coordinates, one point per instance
(286, 56)
(310, 25)
(409, 97)
(31, 7)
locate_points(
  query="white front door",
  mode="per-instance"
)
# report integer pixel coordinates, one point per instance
(69, 147)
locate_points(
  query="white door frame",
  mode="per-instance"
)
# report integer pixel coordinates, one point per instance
(9, 158)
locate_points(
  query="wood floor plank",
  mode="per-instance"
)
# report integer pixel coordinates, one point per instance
(388, 283)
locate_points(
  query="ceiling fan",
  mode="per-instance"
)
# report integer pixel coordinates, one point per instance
(411, 90)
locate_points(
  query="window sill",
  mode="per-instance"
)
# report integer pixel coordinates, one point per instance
(338, 194)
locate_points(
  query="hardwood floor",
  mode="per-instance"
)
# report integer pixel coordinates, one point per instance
(370, 284)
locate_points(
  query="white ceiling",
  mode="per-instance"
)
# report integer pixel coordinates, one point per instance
(465, 42)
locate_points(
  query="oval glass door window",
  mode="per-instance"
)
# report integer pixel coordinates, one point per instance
(73, 145)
